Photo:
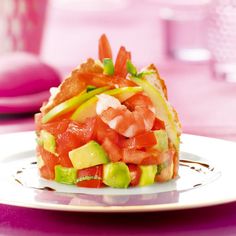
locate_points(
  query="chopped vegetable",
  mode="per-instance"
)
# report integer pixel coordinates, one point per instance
(131, 68)
(121, 60)
(90, 177)
(108, 66)
(104, 49)
(65, 175)
(108, 124)
(90, 88)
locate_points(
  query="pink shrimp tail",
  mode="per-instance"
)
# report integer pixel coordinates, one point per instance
(128, 123)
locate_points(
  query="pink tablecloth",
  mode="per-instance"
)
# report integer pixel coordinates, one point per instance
(220, 220)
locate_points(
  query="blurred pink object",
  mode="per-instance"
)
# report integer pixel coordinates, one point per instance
(21, 25)
(24, 82)
(184, 27)
(222, 39)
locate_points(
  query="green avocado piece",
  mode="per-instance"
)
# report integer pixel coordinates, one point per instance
(148, 175)
(116, 175)
(124, 93)
(162, 140)
(65, 175)
(71, 104)
(163, 109)
(90, 154)
(88, 108)
(48, 141)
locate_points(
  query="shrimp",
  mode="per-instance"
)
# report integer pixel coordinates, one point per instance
(130, 120)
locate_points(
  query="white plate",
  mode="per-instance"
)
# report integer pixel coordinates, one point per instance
(207, 177)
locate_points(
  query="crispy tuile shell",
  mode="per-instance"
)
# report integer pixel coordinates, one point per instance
(71, 86)
(158, 82)
(160, 85)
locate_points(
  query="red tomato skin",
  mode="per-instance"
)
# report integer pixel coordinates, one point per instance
(151, 160)
(158, 124)
(76, 135)
(47, 173)
(91, 171)
(140, 141)
(65, 143)
(56, 127)
(133, 156)
(135, 173)
(113, 151)
(49, 158)
(146, 157)
(82, 131)
(104, 131)
(50, 161)
(104, 48)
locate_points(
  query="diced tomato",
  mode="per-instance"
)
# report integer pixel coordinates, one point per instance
(83, 131)
(121, 59)
(104, 131)
(113, 151)
(139, 141)
(104, 48)
(135, 173)
(158, 157)
(47, 173)
(150, 160)
(96, 172)
(65, 143)
(50, 161)
(146, 157)
(134, 156)
(76, 135)
(91, 171)
(158, 124)
(56, 127)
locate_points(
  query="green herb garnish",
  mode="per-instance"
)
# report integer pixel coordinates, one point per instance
(108, 66)
(131, 68)
(90, 88)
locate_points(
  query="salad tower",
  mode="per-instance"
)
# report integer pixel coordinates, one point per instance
(108, 124)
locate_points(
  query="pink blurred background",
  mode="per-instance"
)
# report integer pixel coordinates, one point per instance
(171, 34)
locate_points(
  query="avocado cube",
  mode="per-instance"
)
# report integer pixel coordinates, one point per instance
(116, 175)
(162, 140)
(65, 175)
(48, 141)
(148, 175)
(90, 154)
